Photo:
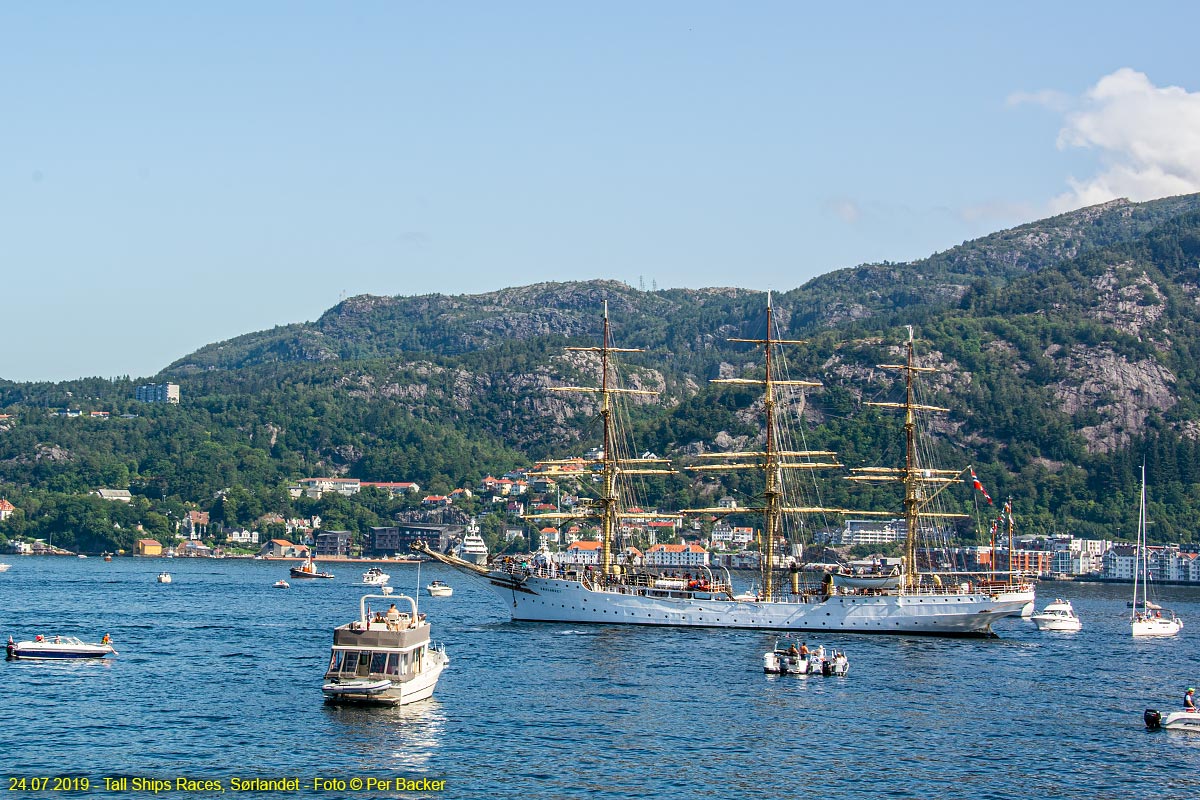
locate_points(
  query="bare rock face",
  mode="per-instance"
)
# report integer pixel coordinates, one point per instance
(1122, 392)
(1135, 306)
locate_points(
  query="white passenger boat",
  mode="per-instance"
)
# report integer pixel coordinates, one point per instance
(164, 577)
(439, 589)
(1057, 616)
(375, 577)
(58, 648)
(384, 658)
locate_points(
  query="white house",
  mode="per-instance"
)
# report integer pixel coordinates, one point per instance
(676, 555)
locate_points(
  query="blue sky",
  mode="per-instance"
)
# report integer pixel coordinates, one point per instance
(175, 175)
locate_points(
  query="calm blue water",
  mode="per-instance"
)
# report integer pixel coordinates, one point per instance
(219, 675)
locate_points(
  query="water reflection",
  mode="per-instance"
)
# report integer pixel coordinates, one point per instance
(382, 738)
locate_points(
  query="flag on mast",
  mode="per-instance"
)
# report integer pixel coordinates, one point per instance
(975, 482)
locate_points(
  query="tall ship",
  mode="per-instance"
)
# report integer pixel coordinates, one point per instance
(915, 602)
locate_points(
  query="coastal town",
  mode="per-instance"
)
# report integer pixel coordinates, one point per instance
(664, 541)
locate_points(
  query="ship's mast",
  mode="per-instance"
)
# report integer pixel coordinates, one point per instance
(606, 508)
(913, 476)
(771, 460)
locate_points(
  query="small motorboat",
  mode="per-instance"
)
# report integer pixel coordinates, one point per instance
(375, 577)
(1057, 616)
(164, 577)
(439, 589)
(787, 659)
(55, 648)
(282, 584)
(5, 567)
(1186, 720)
(81, 555)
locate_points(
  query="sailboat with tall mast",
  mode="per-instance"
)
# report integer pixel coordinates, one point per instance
(1143, 621)
(614, 594)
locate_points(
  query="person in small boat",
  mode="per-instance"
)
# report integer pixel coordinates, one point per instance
(106, 640)
(792, 651)
(804, 649)
(1189, 699)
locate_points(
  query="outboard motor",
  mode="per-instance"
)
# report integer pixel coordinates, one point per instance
(1153, 719)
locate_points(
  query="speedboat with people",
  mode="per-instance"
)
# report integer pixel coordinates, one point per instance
(439, 589)
(375, 577)
(1057, 616)
(385, 657)
(281, 584)
(164, 577)
(57, 648)
(788, 659)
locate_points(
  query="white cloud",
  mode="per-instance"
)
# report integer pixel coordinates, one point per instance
(846, 209)
(1148, 139)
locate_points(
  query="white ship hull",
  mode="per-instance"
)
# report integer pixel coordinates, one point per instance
(942, 613)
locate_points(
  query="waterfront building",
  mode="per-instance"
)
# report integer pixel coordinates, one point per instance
(671, 556)
(282, 548)
(392, 539)
(333, 543)
(871, 532)
(6, 509)
(149, 547)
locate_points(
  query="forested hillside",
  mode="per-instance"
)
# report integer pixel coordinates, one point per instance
(1068, 351)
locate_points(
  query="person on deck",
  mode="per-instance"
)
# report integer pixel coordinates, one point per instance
(1189, 699)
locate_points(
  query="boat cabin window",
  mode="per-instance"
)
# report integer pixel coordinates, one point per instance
(393, 664)
(364, 664)
(335, 663)
(349, 661)
(378, 662)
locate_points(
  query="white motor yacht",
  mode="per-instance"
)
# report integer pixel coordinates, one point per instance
(164, 577)
(375, 577)
(1057, 616)
(439, 589)
(47, 648)
(385, 658)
